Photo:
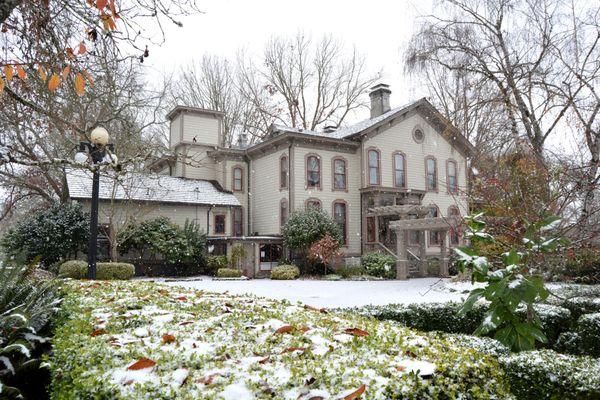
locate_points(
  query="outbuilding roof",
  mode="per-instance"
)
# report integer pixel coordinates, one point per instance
(149, 187)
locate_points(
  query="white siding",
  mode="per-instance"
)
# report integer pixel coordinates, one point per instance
(175, 131)
(326, 194)
(205, 128)
(265, 194)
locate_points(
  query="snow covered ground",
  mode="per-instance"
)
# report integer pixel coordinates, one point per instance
(339, 293)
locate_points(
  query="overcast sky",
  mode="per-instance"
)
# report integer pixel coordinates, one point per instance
(378, 29)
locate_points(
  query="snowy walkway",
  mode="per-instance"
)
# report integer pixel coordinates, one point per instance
(339, 293)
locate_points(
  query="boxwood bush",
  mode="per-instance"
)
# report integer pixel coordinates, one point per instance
(119, 340)
(584, 338)
(285, 272)
(77, 269)
(229, 273)
(379, 264)
(546, 374)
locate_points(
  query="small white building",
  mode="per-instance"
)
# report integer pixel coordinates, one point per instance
(410, 155)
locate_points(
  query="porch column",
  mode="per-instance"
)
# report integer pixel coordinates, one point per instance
(376, 217)
(422, 255)
(402, 262)
(443, 261)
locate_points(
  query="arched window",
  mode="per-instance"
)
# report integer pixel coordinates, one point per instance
(451, 176)
(431, 174)
(454, 234)
(238, 179)
(340, 215)
(374, 165)
(434, 236)
(238, 222)
(283, 172)
(313, 203)
(283, 212)
(340, 180)
(313, 171)
(399, 169)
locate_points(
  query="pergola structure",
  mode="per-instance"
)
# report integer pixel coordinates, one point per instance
(421, 225)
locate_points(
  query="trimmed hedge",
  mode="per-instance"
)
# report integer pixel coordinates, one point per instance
(214, 263)
(77, 269)
(546, 374)
(285, 272)
(229, 273)
(445, 317)
(195, 344)
(584, 339)
(379, 264)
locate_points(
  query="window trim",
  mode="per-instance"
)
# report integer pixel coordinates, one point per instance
(369, 150)
(429, 242)
(414, 131)
(224, 224)
(394, 154)
(437, 183)
(233, 169)
(448, 162)
(315, 200)
(287, 207)
(333, 160)
(233, 211)
(318, 157)
(345, 232)
(287, 174)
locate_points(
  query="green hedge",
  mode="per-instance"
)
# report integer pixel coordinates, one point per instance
(214, 263)
(285, 272)
(108, 327)
(585, 337)
(229, 273)
(445, 317)
(379, 264)
(77, 269)
(546, 374)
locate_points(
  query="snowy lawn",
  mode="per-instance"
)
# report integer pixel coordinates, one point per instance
(142, 340)
(339, 293)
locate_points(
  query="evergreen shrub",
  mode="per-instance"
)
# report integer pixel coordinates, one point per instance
(77, 269)
(285, 272)
(379, 264)
(229, 273)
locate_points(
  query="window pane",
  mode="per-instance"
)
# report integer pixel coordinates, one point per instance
(452, 185)
(339, 214)
(400, 177)
(237, 179)
(431, 174)
(219, 224)
(283, 170)
(313, 171)
(373, 158)
(373, 175)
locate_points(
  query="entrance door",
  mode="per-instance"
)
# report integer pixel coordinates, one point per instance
(269, 256)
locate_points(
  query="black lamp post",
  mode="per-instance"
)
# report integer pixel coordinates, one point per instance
(96, 149)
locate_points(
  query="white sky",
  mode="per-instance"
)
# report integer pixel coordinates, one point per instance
(379, 30)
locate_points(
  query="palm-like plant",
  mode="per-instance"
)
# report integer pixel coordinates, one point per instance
(26, 306)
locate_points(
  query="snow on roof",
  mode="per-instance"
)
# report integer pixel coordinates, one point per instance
(149, 187)
(365, 124)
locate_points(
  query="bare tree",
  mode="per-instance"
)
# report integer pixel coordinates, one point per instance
(211, 83)
(303, 83)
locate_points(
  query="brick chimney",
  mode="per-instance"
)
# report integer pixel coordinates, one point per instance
(380, 99)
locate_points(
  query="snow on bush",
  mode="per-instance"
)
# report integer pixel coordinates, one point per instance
(546, 374)
(285, 272)
(142, 340)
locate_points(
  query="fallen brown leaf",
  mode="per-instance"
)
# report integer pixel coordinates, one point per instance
(142, 363)
(356, 332)
(356, 394)
(321, 310)
(285, 329)
(98, 332)
(167, 338)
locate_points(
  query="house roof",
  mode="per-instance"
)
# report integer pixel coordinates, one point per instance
(178, 108)
(443, 126)
(149, 187)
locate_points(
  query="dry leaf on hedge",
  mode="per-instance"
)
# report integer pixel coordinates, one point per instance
(167, 338)
(356, 394)
(142, 363)
(285, 329)
(356, 332)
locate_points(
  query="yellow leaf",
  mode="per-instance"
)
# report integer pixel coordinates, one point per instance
(1, 85)
(79, 84)
(8, 72)
(53, 82)
(65, 72)
(21, 72)
(42, 73)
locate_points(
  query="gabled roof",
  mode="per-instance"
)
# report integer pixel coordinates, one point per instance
(149, 187)
(437, 120)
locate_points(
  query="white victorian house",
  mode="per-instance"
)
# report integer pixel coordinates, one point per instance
(406, 162)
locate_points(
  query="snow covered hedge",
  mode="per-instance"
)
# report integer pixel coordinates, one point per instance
(141, 340)
(444, 317)
(546, 374)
